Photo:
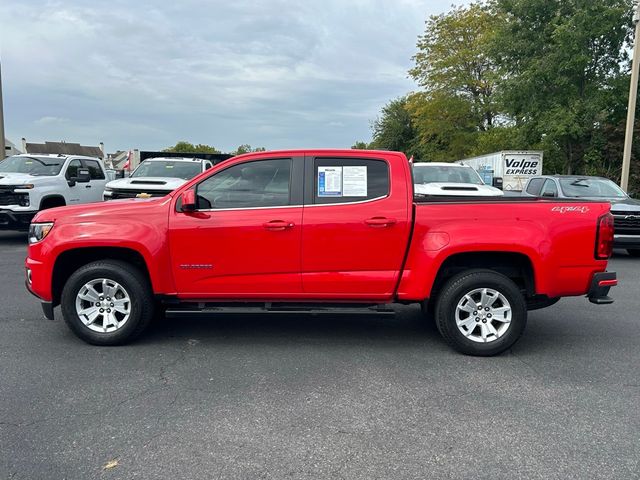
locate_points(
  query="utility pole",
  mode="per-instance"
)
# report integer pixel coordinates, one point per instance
(631, 109)
(3, 152)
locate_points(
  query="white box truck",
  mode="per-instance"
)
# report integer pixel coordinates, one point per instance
(508, 169)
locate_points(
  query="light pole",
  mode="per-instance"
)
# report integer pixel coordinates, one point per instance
(3, 153)
(631, 109)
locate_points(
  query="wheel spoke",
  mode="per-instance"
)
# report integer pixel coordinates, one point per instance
(468, 307)
(492, 329)
(499, 314)
(90, 294)
(484, 331)
(107, 290)
(89, 315)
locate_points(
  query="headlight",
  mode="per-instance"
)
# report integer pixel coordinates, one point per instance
(37, 231)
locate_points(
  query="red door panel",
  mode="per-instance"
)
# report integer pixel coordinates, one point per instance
(355, 250)
(252, 253)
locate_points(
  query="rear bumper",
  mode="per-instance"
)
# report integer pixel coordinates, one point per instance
(600, 285)
(10, 220)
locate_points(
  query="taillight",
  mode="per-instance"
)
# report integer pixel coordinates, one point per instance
(604, 237)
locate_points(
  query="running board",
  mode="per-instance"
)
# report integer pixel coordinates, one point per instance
(207, 309)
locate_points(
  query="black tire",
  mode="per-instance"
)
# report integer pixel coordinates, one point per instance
(454, 291)
(136, 285)
(633, 252)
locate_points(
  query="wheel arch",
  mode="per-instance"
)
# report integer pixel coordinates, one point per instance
(70, 260)
(59, 201)
(516, 266)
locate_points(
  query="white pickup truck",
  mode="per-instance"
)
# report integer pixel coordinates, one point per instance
(30, 183)
(450, 179)
(156, 177)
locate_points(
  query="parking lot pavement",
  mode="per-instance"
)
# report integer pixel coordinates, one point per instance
(320, 397)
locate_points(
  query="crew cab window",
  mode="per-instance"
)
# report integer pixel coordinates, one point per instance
(535, 184)
(94, 169)
(72, 169)
(263, 183)
(550, 189)
(346, 180)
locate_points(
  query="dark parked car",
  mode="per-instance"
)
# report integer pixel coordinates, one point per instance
(626, 210)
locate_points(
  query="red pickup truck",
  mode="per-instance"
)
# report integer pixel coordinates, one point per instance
(318, 231)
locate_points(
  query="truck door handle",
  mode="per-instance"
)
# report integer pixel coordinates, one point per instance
(277, 225)
(87, 186)
(380, 222)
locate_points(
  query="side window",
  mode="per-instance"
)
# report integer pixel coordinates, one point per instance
(550, 189)
(94, 169)
(344, 180)
(263, 183)
(72, 169)
(534, 186)
(207, 165)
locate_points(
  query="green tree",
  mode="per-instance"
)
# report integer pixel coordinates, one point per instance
(361, 146)
(565, 65)
(186, 147)
(394, 129)
(246, 148)
(453, 64)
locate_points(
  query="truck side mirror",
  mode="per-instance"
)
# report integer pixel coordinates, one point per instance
(497, 182)
(188, 201)
(83, 175)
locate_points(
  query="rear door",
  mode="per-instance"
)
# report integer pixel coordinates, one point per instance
(356, 226)
(243, 242)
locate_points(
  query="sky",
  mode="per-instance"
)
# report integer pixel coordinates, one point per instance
(143, 74)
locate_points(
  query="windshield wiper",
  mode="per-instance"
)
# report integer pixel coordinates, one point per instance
(578, 183)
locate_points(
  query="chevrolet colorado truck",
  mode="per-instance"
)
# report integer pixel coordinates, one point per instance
(318, 231)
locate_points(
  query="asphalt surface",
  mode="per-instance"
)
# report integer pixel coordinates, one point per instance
(320, 397)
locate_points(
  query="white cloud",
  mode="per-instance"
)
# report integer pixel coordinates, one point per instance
(145, 74)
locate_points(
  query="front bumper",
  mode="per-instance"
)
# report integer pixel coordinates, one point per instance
(10, 220)
(626, 241)
(47, 307)
(600, 285)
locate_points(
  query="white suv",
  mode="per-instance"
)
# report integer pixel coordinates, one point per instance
(156, 177)
(30, 183)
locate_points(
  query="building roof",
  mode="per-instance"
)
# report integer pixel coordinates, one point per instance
(64, 148)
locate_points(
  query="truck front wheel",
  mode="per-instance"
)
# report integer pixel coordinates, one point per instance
(107, 302)
(481, 312)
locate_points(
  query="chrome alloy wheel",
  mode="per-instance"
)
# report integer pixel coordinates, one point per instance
(103, 305)
(483, 315)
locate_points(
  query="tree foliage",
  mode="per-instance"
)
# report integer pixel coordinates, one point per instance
(563, 62)
(520, 74)
(246, 148)
(186, 147)
(394, 129)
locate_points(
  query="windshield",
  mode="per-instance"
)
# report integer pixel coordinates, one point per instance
(590, 187)
(32, 165)
(445, 174)
(180, 169)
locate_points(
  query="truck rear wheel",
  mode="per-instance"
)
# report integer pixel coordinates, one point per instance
(481, 312)
(107, 302)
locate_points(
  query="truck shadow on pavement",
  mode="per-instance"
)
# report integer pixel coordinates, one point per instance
(407, 326)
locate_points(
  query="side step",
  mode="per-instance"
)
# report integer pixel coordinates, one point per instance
(200, 309)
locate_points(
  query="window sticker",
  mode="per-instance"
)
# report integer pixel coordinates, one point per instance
(354, 181)
(329, 181)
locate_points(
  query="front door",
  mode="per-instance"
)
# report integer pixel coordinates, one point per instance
(77, 192)
(95, 188)
(243, 241)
